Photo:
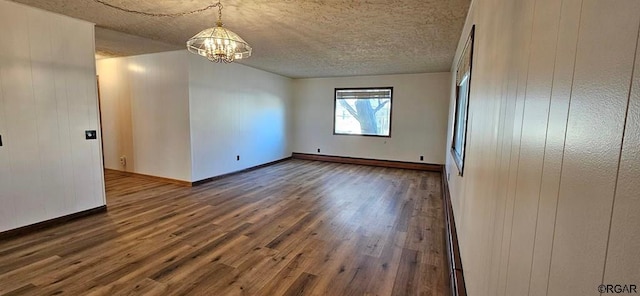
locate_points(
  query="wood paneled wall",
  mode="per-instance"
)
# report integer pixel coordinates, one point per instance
(48, 99)
(548, 201)
(174, 115)
(145, 113)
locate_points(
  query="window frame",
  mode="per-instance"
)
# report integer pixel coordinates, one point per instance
(335, 107)
(459, 156)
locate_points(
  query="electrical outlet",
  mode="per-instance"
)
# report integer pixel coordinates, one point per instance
(318, 150)
(421, 158)
(123, 160)
(238, 157)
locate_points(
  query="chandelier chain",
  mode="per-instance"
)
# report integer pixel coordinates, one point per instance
(218, 5)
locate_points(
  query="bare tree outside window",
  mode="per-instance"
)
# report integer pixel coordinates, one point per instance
(363, 112)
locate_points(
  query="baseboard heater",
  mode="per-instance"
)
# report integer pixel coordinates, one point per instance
(370, 162)
(456, 274)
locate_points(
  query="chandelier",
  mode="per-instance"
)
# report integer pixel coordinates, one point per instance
(219, 44)
(216, 44)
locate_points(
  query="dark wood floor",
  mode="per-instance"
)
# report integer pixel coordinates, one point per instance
(295, 228)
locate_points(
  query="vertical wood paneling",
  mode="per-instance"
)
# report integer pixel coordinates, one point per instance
(240, 115)
(44, 92)
(554, 148)
(488, 121)
(529, 170)
(135, 70)
(505, 140)
(505, 205)
(521, 51)
(59, 49)
(116, 114)
(154, 97)
(78, 112)
(7, 210)
(47, 78)
(99, 193)
(95, 172)
(125, 107)
(623, 255)
(496, 150)
(546, 219)
(604, 59)
(109, 103)
(21, 120)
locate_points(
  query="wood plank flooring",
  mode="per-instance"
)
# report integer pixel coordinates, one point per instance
(295, 228)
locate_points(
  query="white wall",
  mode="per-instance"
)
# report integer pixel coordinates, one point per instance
(548, 199)
(177, 115)
(115, 109)
(145, 114)
(236, 110)
(47, 100)
(419, 117)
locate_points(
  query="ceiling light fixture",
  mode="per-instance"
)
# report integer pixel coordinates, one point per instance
(219, 44)
(216, 44)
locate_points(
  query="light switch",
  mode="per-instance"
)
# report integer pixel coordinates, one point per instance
(90, 135)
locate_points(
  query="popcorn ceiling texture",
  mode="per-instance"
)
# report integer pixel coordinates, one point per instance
(111, 43)
(294, 38)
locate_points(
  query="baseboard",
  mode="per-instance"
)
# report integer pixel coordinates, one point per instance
(50, 223)
(152, 178)
(204, 181)
(371, 162)
(456, 273)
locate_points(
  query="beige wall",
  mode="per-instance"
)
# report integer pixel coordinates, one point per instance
(115, 110)
(177, 115)
(548, 202)
(145, 113)
(419, 115)
(236, 110)
(47, 101)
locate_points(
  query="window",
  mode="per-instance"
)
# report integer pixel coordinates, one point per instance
(463, 81)
(363, 111)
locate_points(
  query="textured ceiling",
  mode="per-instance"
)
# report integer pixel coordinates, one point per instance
(294, 38)
(113, 44)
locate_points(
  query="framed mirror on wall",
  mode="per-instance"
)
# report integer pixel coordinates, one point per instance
(461, 115)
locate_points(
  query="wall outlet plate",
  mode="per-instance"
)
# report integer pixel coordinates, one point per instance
(90, 134)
